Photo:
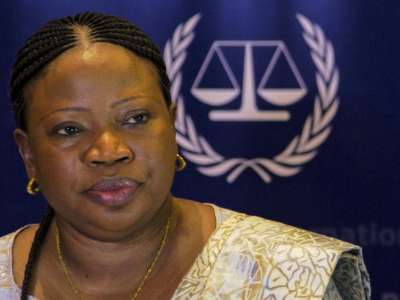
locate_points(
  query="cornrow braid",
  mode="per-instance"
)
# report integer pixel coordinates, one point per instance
(34, 251)
(50, 41)
(57, 36)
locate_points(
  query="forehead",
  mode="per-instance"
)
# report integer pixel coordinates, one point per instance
(86, 68)
(98, 55)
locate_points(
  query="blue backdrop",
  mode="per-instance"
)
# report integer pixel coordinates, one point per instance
(287, 109)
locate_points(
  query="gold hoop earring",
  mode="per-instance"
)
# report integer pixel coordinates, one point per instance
(32, 187)
(180, 162)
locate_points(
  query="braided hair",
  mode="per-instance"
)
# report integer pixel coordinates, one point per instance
(35, 249)
(59, 35)
(53, 39)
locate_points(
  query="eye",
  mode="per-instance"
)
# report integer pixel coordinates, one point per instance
(138, 118)
(67, 130)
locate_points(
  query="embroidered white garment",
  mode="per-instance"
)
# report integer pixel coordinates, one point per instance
(249, 257)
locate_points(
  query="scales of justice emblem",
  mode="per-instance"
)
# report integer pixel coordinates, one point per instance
(301, 148)
(248, 89)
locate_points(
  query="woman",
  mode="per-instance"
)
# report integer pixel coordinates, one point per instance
(95, 129)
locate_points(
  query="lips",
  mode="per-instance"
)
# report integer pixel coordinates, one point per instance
(113, 192)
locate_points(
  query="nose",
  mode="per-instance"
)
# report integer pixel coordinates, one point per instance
(108, 149)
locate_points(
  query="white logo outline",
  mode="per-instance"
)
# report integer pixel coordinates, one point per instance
(303, 147)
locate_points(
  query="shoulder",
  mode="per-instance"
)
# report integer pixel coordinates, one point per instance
(8, 256)
(289, 256)
(263, 231)
(273, 232)
(6, 279)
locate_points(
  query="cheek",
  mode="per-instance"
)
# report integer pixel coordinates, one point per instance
(57, 170)
(161, 151)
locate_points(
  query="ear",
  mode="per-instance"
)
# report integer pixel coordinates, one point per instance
(25, 150)
(172, 113)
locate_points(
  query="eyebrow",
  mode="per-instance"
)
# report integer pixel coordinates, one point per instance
(121, 101)
(78, 108)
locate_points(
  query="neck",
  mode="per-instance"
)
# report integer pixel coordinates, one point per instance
(95, 264)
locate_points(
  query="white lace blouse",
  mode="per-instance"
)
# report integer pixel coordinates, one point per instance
(248, 257)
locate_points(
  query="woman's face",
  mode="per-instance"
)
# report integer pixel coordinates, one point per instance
(100, 139)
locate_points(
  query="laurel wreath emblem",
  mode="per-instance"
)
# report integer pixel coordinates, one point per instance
(302, 148)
